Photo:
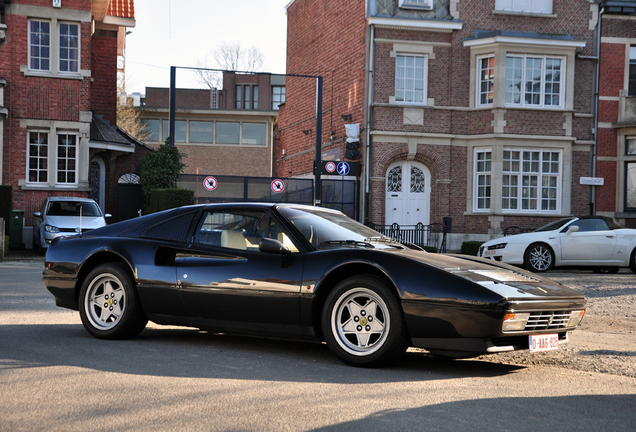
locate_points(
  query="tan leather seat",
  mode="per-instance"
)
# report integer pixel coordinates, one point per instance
(233, 240)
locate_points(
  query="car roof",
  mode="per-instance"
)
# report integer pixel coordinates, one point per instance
(611, 222)
(70, 198)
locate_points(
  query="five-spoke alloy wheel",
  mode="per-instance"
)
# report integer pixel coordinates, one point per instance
(538, 258)
(109, 307)
(363, 324)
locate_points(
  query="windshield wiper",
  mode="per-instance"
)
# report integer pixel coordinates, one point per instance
(349, 242)
(385, 240)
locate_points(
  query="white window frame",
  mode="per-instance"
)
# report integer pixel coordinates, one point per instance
(416, 4)
(60, 48)
(483, 180)
(31, 43)
(38, 157)
(543, 84)
(490, 81)
(543, 7)
(533, 179)
(402, 75)
(278, 97)
(59, 158)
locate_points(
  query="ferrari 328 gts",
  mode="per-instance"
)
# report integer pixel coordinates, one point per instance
(301, 272)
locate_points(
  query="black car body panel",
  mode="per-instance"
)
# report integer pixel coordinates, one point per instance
(452, 305)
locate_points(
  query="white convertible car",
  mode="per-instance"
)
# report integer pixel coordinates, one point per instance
(596, 242)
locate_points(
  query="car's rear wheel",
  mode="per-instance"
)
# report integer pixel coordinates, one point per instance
(363, 324)
(538, 257)
(109, 306)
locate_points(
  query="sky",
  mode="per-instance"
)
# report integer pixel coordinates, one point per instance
(184, 32)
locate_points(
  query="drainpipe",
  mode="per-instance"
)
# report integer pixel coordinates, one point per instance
(367, 141)
(595, 101)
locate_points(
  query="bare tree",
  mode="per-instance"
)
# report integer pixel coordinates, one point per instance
(230, 57)
(128, 118)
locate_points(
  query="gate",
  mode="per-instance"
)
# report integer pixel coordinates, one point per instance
(129, 200)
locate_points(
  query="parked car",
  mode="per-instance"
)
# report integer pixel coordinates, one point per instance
(599, 243)
(65, 216)
(302, 272)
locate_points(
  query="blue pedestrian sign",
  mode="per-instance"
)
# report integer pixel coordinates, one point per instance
(343, 168)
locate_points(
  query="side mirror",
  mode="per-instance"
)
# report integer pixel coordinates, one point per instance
(37, 214)
(572, 229)
(108, 215)
(272, 246)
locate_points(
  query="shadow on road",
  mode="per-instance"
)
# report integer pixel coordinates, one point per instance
(178, 352)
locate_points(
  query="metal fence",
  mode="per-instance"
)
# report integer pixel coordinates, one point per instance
(336, 194)
(431, 237)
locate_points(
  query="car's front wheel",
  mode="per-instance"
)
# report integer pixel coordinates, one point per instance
(362, 323)
(538, 258)
(109, 306)
(632, 261)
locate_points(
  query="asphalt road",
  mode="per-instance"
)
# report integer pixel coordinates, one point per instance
(54, 376)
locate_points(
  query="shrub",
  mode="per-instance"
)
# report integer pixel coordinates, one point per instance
(163, 199)
(471, 247)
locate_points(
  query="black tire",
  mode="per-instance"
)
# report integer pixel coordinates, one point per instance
(363, 324)
(538, 258)
(632, 261)
(38, 244)
(109, 305)
(608, 270)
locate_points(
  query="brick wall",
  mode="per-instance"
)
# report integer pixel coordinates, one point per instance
(104, 72)
(326, 38)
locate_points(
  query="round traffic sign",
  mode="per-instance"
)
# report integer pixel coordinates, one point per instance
(278, 186)
(330, 167)
(343, 168)
(210, 183)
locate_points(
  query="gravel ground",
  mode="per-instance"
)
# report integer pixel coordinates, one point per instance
(606, 339)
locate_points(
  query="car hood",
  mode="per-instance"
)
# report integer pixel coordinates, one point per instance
(74, 222)
(506, 280)
(517, 238)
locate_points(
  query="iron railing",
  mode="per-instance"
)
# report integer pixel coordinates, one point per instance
(430, 237)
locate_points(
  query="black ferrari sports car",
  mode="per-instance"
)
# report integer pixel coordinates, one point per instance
(295, 271)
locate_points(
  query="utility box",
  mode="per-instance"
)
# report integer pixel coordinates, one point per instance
(15, 230)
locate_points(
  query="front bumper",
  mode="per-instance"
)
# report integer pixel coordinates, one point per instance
(511, 254)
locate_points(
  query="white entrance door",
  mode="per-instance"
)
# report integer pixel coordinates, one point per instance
(408, 193)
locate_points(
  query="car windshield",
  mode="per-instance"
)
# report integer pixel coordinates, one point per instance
(554, 225)
(72, 208)
(327, 229)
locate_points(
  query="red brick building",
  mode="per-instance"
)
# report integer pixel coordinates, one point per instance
(478, 110)
(221, 132)
(616, 151)
(58, 75)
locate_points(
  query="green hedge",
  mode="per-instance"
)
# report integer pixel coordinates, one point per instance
(471, 247)
(163, 199)
(6, 205)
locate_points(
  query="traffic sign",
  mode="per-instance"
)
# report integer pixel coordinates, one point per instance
(278, 186)
(210, 183)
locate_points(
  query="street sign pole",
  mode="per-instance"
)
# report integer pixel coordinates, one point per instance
(318, 187)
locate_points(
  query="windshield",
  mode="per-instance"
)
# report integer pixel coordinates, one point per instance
(72, 208)
(327, 229)
(554, 225)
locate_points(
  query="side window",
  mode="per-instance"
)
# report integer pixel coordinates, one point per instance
(586, 225)
(239, 230)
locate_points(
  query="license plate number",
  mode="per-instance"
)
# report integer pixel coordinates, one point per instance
(490, 252)
(541, 343)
